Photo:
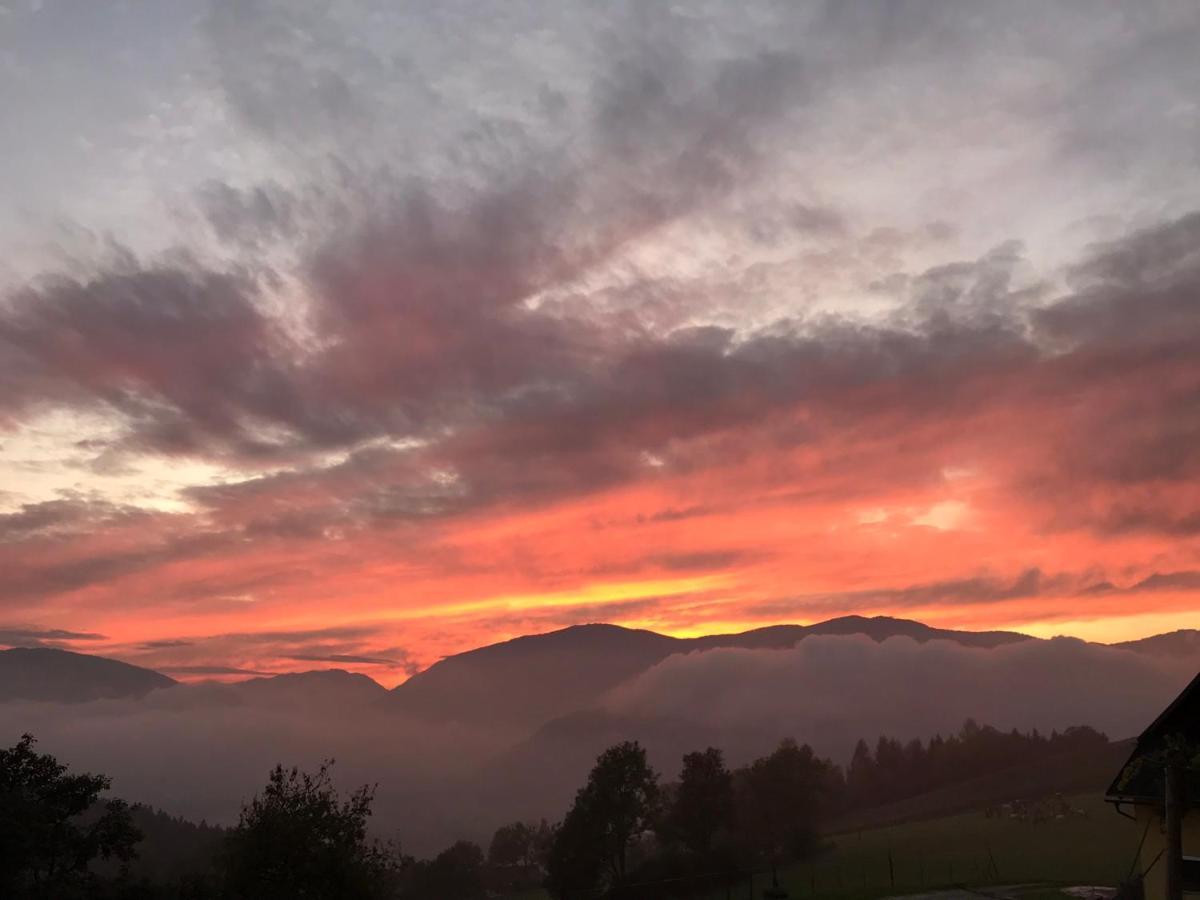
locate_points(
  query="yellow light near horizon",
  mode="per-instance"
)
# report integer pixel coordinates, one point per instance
(1114, 629)
(586, 595)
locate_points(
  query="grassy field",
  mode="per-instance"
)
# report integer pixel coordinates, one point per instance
(964, 849)
(972, 849)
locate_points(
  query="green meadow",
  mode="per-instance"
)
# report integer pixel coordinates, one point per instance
(967, 849)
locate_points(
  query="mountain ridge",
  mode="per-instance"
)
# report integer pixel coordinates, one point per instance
(533, 679)
(526, 681)
(64, 676)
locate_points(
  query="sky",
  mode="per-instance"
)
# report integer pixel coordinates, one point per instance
(357, 333)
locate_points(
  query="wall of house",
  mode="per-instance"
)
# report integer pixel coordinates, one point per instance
(1156, 843)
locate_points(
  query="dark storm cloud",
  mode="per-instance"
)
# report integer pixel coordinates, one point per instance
(210, 670)
(417, 299)
(38, 637)
(977, 590)
(183, 355)
(1169, 581)
(164, 644)
(345, 658)
(48, 576)
(1030, 584)
(63, 515)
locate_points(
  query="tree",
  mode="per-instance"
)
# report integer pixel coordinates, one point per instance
(517, 853)
(299, 839)
(618, 803)
(780, 801)
(454, 874)
(512, 846)
(703, 803)
(45, 847)
(861, 778)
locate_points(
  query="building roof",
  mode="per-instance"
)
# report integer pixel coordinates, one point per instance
(1144, 784)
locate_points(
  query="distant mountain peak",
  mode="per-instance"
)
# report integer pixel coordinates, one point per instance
(45, 673)
(531, 679)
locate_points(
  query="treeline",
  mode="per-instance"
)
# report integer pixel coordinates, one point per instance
(627, 834)
(894, 771)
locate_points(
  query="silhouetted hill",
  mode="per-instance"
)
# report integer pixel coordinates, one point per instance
(531, 680)
(321, 686)
(41, 673)
(878, 628)
(523, 682)
(1182, 644)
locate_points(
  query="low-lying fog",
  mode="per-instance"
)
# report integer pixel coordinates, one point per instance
(199, 751)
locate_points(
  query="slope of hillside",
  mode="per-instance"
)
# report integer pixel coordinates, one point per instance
(318, 687)
(1085, 772)
(878, 628)
(1182, 644)
(41, 673)
(531, 680)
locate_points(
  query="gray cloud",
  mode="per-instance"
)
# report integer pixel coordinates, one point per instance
(210, 670)
(437, 324)
(591, 406)
(346, 658)
(44, 637)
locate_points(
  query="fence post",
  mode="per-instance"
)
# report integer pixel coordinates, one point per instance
(1173, 801)
(891, 870)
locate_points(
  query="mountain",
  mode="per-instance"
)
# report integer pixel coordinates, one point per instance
(320, 687)
(42, 673)
(533, 679)
(878, 628)
(1182, 644)
(521, 683)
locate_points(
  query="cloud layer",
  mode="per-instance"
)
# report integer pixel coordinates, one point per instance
(685, 319)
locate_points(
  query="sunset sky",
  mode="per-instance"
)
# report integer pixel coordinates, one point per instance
(358, 333)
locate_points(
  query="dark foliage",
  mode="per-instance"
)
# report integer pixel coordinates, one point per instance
(457, 873)
(299, 839)
(623, 837)
(46, 847)
(702, 811)
(517, 856)
(895, 771)
(781, 799)
(616, 806)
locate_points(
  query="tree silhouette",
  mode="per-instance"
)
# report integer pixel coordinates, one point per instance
(618, 803)
(516, 857)
(512, 846)
(299, 839)
(45, 848)
(780, 802)
(454, 874)
(703, 804)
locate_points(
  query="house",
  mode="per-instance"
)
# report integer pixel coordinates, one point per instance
(1140, 790)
